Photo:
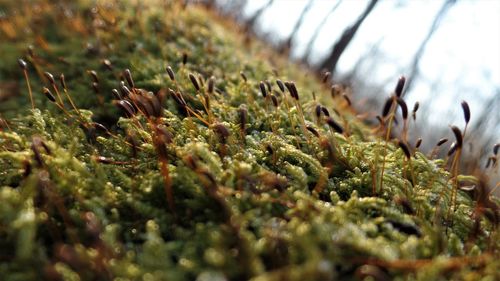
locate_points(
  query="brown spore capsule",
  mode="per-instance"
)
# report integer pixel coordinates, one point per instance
(326, 76)
(335, 90)
(458, 136)
(93, 75)
(263, 90)
(415, 109)
(116, 94)
(405, 149)
(222, 131)
(125, 91)
(22, 64)
(184, 58)
(496, 147)
(441, 141)
(404, 108)
(347, 99)
(211, 84)
(170, 73)
(95, 87)
(387, 107)
(466, 110)
(317, 111)
(334, 125)
(243, 76)
(325, 111)
(399, 86)
(274, 100)
(49, 77)
(194, 81)
(107, 64)
(103, 160)
(49, 94)
(243, 116)
(126, 106)
(295, 91)
(269, 87)
(418, 143)
(453, 148)
(62, 80)
(128, 76)
(313, 131)
(280, 85)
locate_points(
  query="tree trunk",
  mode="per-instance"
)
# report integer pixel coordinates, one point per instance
(330, 63)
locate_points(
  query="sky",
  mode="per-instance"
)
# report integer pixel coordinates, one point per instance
(461, 61)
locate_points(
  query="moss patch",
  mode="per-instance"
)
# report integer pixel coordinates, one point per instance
(215, 183)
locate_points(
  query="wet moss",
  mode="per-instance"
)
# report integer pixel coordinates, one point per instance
(181, 191)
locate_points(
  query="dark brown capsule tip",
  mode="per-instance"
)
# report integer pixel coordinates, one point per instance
(95, 87)
(496, 147)
(128, 77)
(404, 108)
(49, 94)
(107, 64)
(318, 111)
(313, 131)
(194, 81)
(126, 106)
(243, 76)
(211, 84)
(288, 85)
(269, 86)
(184, 58)
(325, 111)
(336, 90)
(104, 160)
(125, 91)
(263, 90)
(347, 99)
(62, 80)
(222, 131)
(295, 91)
(334, 125)
(415, 107)
(243, 115)
(466, 110)
(170, 73)
(442, 141)
(93, 75)
(49, 77)
(116, 94)
(326, 76)
(99, 126)
(453, 148)
(274, 100)
(419, 142)
(387, 107)
(400, 86)
(280, 85)
(22, 64)
(405, 149)
(458, 136)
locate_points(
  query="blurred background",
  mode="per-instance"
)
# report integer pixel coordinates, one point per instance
(449, 50)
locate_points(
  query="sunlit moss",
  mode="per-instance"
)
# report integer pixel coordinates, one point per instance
(270, 202)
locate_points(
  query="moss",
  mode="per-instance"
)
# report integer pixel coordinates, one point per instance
(265, 201)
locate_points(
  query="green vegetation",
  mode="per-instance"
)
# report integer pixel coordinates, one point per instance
(208, 174)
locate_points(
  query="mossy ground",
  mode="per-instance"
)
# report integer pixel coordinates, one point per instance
(270, 200)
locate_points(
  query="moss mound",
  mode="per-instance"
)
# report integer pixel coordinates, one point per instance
(203, 172)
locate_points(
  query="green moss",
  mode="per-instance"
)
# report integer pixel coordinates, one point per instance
(273, 202)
